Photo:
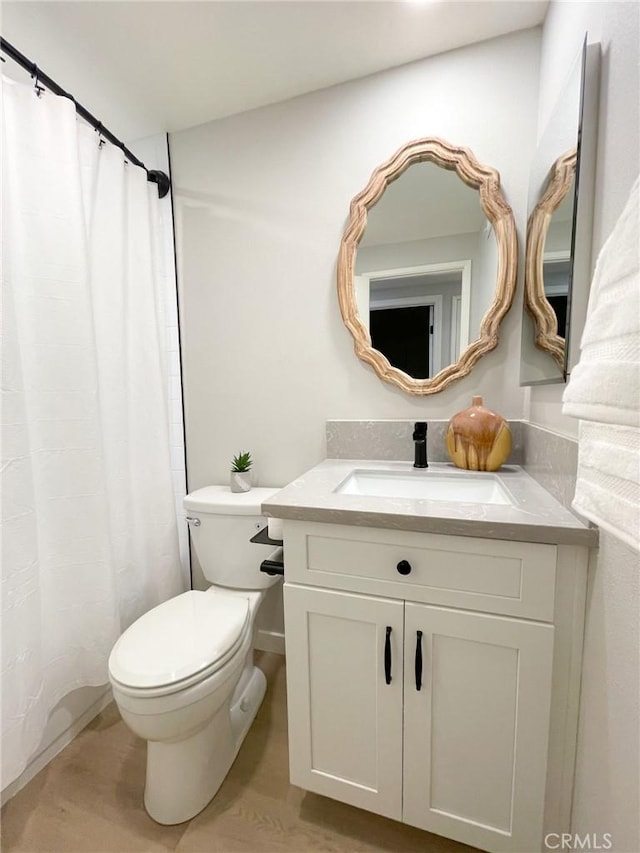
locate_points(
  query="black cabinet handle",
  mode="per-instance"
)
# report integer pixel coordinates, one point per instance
(404, 567)
(418, 660)
(387, 656)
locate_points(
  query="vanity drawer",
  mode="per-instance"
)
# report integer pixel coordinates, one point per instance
(489, 575)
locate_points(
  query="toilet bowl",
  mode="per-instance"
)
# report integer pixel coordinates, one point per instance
(183, 675)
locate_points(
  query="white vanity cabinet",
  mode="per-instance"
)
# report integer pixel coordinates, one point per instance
(445, 697)
(345, 722)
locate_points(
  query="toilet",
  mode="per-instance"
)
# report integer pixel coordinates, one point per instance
(183, 675)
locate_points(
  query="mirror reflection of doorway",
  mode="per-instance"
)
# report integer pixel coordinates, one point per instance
(405, 336)
(434, 303)
(557, 281)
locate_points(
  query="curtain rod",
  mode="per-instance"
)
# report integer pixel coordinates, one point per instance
(160, 178)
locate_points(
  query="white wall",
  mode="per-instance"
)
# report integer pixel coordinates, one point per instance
(483, 278)
(262, 199)
(438, 250)
(607, 791)
(558, 237)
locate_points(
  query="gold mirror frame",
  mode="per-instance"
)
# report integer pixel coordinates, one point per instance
(482, 178)
(544, 317)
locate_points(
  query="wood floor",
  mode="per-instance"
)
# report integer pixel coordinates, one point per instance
(89, 800)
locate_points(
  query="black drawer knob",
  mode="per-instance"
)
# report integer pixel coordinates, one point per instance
(404, 567)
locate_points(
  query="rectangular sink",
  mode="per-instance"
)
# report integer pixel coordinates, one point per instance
(479, 488)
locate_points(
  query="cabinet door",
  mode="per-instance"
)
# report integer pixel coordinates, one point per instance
(345, 721)
(476, 733)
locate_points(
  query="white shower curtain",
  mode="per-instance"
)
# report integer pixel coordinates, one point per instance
(89, 523)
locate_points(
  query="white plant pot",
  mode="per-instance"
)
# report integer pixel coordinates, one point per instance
(240, 481)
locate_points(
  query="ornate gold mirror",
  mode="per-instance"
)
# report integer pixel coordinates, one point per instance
(427, 266)
(548, 258)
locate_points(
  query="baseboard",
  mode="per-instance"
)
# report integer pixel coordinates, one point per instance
(269, 641)
(40, 761)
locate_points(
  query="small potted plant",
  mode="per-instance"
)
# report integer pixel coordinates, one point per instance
(240, 479)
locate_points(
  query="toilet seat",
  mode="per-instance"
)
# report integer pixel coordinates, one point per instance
(180, 642)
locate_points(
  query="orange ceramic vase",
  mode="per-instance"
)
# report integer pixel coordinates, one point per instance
(478, 439)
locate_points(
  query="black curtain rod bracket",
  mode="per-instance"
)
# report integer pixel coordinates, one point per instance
(161, 179)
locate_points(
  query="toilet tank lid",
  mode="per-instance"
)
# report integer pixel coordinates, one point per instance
(220, 500)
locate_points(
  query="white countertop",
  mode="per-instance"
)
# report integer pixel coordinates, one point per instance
(535, 515)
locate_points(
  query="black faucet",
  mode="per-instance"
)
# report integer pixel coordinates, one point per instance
(420, 439)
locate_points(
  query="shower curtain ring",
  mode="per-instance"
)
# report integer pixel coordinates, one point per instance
(38, 88)
(101, 140)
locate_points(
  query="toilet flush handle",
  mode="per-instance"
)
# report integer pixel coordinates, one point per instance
(195, 521)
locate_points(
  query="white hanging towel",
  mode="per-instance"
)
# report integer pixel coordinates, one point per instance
(604, 387)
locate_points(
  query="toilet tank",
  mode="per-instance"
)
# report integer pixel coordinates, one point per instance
(221, 540)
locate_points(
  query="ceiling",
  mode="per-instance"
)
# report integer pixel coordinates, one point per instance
(142, 67)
